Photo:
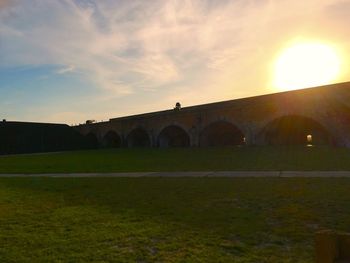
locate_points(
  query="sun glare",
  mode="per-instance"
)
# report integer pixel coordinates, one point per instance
(306, 65)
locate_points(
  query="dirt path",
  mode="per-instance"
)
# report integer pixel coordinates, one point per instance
(196, 174)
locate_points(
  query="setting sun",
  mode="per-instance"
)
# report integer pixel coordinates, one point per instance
(306, 65)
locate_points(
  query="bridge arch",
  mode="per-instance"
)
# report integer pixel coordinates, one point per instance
(138, 137)
(173, 136)
(221, 133)
(295, 130)
(111, 139)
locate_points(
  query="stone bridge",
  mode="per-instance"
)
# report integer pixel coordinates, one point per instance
(319, 115)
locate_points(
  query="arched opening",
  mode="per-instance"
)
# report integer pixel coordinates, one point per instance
(138, 138)
(111, 140)
(91, 141)
(173, 136)
(295, 130)
(221, 133)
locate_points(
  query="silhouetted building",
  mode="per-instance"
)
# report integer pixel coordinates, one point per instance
(26, 137)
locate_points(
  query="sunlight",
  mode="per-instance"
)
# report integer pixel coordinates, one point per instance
(306, 65)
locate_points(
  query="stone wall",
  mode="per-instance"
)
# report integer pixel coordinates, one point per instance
(322, 112)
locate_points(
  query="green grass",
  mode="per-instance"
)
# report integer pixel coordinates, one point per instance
(190, 159)
(168, 219)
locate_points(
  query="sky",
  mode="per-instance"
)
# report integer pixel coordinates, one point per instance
(68, 61)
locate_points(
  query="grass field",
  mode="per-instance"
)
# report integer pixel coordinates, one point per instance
(185, 159)
(168, 219)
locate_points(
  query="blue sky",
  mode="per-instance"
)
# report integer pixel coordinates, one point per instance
(68, 61)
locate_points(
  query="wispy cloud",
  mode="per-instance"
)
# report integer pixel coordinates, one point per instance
(199, 50)
(65, 70)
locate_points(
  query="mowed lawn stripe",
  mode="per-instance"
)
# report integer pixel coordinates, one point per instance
(181, 159)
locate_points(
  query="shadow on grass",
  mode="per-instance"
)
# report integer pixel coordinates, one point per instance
(230, 218)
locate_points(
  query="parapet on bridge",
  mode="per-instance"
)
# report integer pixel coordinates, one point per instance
(314, 116)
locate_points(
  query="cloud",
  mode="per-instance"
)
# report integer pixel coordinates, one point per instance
(194, 50)
(66, 69)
